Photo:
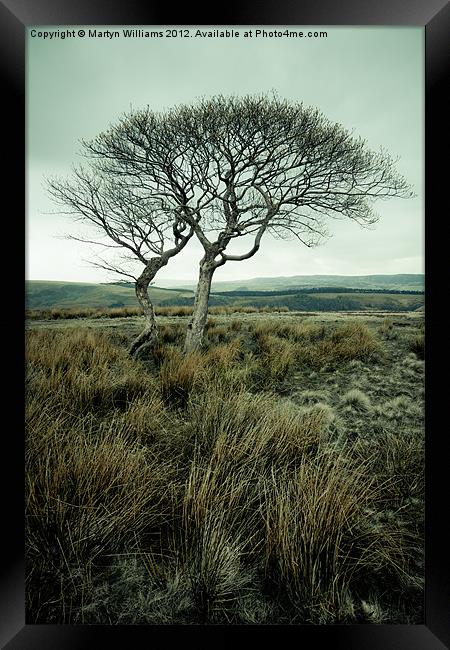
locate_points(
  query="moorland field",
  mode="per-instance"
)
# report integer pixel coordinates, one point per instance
(306, 293)
(277, 476)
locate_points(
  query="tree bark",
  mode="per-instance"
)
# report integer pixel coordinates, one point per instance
(196, 325)
(149, 336)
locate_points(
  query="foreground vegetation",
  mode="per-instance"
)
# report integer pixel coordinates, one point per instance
(275, 477)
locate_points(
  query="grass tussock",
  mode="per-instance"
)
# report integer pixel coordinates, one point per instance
(224, 486)
(256, 429)
(91, 493)
(88, 497)
(84, 370)
(353, 341)
(356, 400)
(179, 375)
(311, 549)
(303, 331)
(275, 358)
(416, 344)
(387, 329)
(313, 345)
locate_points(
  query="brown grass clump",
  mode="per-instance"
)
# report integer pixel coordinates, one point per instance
(319, 537)
(71, 313)
(147, 419)
(275, 358)
(172, 334)
(387, 329)
(83, 370)
(397, 463)
(314, 346)
(346, 343)
(355, 341)
(416, 343)
(303, 331)
(218, 513)
(217, 334)
(221, 356)
(179, 375)
(238, 427)
(236, 325)
(88, 495)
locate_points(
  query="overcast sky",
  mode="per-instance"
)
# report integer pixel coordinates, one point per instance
(371, 80)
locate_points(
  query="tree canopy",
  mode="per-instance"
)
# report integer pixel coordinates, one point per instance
(234, 167)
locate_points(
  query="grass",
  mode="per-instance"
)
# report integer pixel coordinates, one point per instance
(416, 343)
(276, 476)
(311, 548)
(74, 313)
(356, 400)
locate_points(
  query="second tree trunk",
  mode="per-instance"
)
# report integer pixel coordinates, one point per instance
(196, 325)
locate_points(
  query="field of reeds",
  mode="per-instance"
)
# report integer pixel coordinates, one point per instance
(275, 477)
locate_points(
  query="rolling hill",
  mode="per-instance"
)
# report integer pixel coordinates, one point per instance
(47, 295)
(42, 295)
(404, 281)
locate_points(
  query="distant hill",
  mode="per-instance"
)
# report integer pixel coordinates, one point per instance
(42, 295)
(404, 281)
(391, 297)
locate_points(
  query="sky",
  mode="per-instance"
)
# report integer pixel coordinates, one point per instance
(369, 79)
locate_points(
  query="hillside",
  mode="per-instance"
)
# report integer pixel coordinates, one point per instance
(42, 295)
(401, 282)
(330, 301)
(48, 295)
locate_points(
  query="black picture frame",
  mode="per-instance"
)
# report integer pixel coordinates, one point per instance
(15, 16)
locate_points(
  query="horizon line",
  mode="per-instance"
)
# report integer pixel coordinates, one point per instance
(256, 277)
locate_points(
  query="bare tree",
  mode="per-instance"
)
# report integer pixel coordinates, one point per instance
(238, 167)
(124, 217)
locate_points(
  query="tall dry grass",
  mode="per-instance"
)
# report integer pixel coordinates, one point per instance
(71, 313)
(311, 545)
(190, 491)
(82, 371)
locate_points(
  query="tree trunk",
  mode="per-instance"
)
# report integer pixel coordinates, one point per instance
(149, 336)
(196, 325)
